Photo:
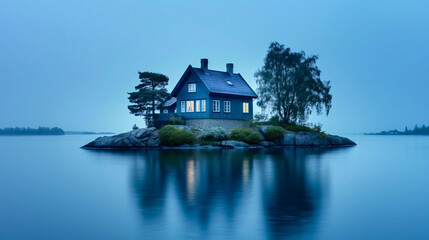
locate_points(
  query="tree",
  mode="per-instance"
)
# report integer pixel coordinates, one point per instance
(290, 85)
(149, 94)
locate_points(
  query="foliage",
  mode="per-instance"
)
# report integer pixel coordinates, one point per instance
(214, 134)
(177, 121)
(290, 85)
(173, 136)
(299, 128)
(246, 135)
(31, 131)
(149, 94)
(423, 130)
(135, 127)
(274, 133)
(259, 117)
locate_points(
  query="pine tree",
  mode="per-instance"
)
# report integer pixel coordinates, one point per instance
(149, 94)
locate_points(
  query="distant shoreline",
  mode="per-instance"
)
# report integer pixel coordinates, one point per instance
(45, 131)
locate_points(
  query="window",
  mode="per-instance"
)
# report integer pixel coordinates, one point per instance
(203, 105)
(227, 106)
(245, 107)
(229, 83)
(192, 87)
(216, 106)
(190, 106)
(165, 111)
(197, 105)
(182, 106)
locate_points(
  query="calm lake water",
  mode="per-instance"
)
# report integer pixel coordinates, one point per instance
(52, 189)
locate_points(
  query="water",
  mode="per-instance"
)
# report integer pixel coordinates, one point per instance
(52, 189)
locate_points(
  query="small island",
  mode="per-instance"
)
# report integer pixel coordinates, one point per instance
(214, 109)
(22, 131)
(423, 130)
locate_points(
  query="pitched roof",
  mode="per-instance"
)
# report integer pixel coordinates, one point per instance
(170, 102)
(221, 82)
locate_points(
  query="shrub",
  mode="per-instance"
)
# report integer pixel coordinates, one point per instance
(246, 135)
(173, 136)
(214, 134)
(274, 133)
(135, 127)
(177, 121)
(297, 128)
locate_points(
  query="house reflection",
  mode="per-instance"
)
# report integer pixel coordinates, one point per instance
(283, 188)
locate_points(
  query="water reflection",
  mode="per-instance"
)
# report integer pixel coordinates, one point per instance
(276, 192)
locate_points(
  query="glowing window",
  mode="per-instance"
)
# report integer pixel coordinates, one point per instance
(197, 105)
(190, 106)
(245, 107)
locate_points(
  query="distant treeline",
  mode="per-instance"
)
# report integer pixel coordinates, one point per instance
(423, 130)
(31, 131)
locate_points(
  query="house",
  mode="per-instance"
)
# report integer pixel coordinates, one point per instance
(208, 98)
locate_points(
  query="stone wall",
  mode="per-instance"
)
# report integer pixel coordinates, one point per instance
(228, 124)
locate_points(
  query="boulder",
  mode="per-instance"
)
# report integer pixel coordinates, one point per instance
(266, 143)
(340, 141)
(305, 138)
(234, 144)
(288, 139)
(138, 138)
(264, 128)
(153, 141)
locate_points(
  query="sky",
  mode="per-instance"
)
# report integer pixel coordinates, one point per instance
(71, 63)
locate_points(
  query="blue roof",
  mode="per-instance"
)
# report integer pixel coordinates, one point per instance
(221, 83)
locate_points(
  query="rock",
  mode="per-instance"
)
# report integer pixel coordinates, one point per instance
(264, 128)
(234, 144)
(153, 141)
(340, 141)
(305, 138)
(266, 143)
(288, 139)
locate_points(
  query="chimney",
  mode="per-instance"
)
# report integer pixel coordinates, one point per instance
(204, 64)
(230, 68)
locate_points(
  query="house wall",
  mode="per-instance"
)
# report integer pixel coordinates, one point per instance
(201, 93)
(236, 107)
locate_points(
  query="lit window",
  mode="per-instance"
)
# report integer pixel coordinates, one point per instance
(192, 87)
(165, 111)
(216, 106)
(190, 106)
(227, 106)
(197, 105)
(203, 105)
(245, 107)
(183, 106)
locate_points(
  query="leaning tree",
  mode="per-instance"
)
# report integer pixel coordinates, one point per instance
(149, 94)
(289, 85)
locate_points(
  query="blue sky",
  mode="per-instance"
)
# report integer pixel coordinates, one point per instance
(71, 63)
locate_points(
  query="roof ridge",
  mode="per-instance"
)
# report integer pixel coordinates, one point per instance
(215, 71)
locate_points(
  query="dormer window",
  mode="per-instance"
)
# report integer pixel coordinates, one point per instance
(192, 87)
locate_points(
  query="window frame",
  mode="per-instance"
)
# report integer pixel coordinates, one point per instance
(203, 105)
(217, 104)
(225, 103)
(190, 89)
(182, 106)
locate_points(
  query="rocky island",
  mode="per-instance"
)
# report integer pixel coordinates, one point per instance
(149, 138)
